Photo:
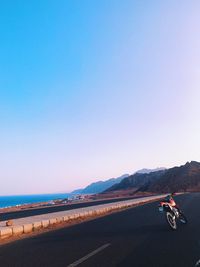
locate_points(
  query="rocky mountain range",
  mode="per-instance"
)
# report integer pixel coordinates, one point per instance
(150, 170)
(136, 180)
(100, 186)
(183, 178)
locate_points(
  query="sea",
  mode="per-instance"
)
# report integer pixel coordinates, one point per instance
(13, 201)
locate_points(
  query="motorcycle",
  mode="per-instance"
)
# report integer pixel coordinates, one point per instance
(173, 214)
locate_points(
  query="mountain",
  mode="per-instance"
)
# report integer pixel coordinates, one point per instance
(77, 191)
(137, 180)
(99, 186)
(183, 178)
(151, 170)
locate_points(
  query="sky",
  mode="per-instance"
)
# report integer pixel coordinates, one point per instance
(90, 90)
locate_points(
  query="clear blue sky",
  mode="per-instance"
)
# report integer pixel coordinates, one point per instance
(94, 89)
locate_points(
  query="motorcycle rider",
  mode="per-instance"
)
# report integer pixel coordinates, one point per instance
(169, 199)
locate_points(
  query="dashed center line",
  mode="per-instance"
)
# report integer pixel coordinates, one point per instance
(76, 263)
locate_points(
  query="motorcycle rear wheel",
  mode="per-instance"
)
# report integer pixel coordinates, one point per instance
(171, 219)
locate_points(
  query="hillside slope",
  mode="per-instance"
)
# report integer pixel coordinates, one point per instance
(136, 180)
(183, 178)
(99, 186)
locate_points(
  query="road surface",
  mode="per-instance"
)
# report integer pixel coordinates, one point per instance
(137, 237)
(50, 209)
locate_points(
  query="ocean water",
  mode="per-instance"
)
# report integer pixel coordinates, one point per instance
(11, 201)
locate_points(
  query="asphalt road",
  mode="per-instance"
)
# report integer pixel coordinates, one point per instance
(44, 210)
(132, 238)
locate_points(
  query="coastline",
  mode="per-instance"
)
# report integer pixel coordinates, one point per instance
(16, 203)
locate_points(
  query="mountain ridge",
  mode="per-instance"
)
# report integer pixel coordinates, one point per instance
(136, 180)
(180, 178)
(100, 186)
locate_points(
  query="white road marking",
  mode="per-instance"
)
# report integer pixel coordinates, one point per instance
(197, 263)
(76, 263)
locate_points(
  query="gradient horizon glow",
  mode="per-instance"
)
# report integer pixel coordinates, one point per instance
(91, 90)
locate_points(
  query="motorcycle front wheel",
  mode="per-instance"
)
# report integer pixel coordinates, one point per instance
(171, 219)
